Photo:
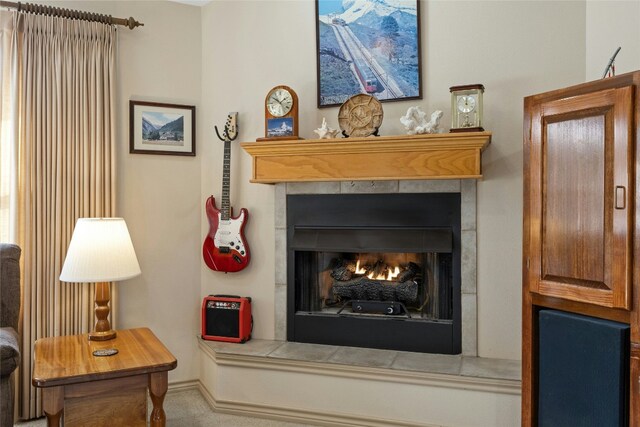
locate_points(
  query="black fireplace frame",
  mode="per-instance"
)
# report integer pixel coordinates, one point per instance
(424, 212)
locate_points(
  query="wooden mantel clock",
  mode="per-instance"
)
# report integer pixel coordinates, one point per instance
(280, 114)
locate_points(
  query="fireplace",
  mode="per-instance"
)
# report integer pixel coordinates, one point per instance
(375, 270)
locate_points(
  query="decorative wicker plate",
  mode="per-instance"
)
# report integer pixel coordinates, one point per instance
(105, 352)
(361, 115)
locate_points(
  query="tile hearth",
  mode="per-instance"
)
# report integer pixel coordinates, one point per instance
(393, 362)
(298, 382)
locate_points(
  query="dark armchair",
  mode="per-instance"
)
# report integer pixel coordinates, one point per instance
(9, 316)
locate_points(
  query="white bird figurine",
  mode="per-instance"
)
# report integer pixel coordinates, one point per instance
(325, 132)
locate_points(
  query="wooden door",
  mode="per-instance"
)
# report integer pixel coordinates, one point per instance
(580, 172)
(634, 404)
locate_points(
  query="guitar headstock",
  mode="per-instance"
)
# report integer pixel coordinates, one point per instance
(230, 128)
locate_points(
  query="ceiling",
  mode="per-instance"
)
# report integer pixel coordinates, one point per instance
(193, 2)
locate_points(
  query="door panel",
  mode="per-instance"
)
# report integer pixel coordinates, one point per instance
(573, 239)
(580, 218)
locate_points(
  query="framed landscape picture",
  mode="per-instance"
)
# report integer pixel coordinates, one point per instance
(369, 47)
(156, 128)
(281, 126)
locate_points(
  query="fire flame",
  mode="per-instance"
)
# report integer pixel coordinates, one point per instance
(391, 273)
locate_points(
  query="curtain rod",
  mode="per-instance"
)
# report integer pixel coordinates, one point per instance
(72, 14)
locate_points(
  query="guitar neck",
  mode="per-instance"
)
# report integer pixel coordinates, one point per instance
(225, 208)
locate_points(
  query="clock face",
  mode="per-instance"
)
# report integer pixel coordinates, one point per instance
(466, 103)
(279, 102)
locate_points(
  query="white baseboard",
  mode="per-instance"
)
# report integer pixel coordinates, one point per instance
(183, 386)
(295, 415)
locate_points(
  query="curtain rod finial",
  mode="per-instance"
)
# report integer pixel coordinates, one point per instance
(132, 23)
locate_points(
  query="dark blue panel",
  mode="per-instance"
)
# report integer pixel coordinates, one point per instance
(583, 371)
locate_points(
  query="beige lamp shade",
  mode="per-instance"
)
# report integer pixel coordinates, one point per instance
(100, 251)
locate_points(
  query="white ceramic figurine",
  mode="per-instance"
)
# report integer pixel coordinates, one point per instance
(415, 121)
(325, 132)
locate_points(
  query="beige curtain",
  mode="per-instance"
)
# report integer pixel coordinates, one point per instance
(58, 131)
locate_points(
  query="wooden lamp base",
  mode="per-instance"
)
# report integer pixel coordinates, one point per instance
(102, 336)
(103, 331)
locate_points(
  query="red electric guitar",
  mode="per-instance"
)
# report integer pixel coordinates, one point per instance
(225, 247)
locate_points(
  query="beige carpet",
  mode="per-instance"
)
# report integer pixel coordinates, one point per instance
(189, 409)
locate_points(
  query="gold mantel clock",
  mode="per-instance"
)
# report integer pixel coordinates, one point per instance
(466, 108)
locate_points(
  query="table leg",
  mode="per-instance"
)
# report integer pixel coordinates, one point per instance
(53, 404)
(157, 390)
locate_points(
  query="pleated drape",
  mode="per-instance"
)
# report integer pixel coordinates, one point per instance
(63, 76)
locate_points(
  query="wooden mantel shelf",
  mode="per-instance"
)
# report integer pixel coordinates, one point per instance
(433, 156)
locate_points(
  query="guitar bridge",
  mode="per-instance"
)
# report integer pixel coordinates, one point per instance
(224, 249)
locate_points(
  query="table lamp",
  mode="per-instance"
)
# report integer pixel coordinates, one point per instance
(100, 252)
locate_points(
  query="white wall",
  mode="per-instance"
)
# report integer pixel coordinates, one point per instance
(513, 48)
(515, 53)
(612, 24)
(159, 196)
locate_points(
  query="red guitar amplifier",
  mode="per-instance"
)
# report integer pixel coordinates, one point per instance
(227, 318)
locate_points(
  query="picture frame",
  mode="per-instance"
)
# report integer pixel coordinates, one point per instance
(280, 127)
(160, 128)
(373, 49)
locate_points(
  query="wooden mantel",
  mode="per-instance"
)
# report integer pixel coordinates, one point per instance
(434, 156)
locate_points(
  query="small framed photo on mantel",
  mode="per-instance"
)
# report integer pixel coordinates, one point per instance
(157, 128)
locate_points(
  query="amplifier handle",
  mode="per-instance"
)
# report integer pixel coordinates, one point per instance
(226, 296)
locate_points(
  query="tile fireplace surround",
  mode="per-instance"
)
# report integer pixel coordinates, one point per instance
(467, 190)
(347, 386)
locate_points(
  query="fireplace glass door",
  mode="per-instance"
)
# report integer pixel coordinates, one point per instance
(410, 285)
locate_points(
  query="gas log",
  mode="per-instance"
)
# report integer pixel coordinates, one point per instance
(367, 282)
(364, 288)
(342, 273)
(410, 272)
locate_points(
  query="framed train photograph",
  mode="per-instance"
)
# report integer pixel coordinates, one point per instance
(368, 47)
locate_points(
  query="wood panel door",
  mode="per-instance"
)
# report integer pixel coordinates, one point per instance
(634, 405)
(580, 206)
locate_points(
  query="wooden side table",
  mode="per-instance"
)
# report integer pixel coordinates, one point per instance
(103, 391)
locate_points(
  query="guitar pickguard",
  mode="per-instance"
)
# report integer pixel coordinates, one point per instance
(228, 235)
